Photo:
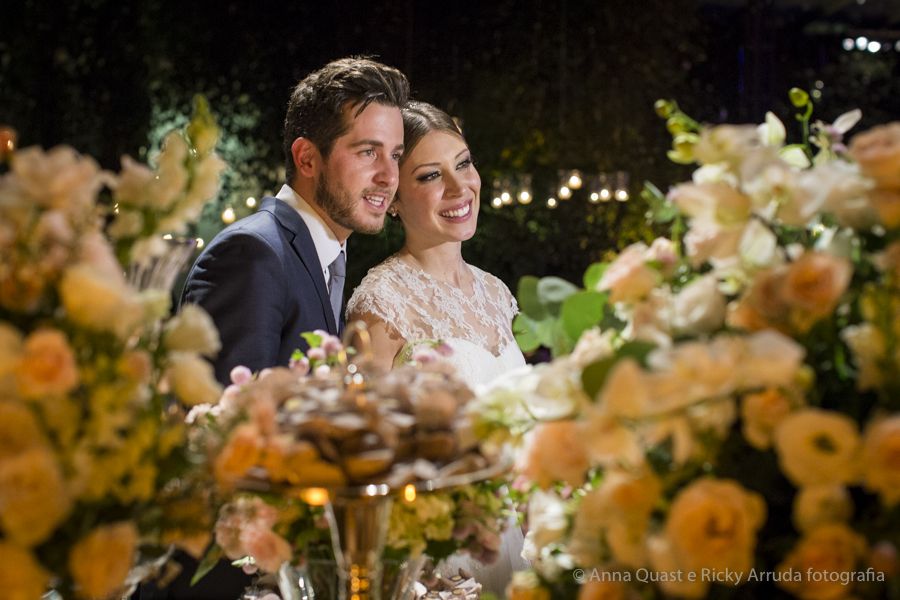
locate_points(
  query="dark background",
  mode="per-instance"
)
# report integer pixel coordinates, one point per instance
(538, 85)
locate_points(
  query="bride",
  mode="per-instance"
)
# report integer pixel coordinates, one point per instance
(428, 293)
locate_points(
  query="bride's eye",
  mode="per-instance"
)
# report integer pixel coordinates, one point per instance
(430, 176)
(465, 163)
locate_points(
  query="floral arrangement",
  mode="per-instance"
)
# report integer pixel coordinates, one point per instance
(728, 422)
(92, 455)
(321, 423)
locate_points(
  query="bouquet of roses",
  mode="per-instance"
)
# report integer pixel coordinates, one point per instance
(92, 457)
(727, 422)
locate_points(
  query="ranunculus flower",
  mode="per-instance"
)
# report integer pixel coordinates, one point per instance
(881, 459)
(192, 379)
(192, 330)
(99, 562)
(821, 504)
(33, 496)
(761, 413)
(818, 447)
(828, 549)
(555, 452)
(22, 575)
(19, 429)
(878, 153)
(712, 524)
(47, 365)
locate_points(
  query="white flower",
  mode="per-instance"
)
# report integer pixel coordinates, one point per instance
(558, 393)
(821, 504)
(60, 178)
(192, 330)
(593, 345)
(770, 359)
(818, 447)
(772, 132)
(758, 247)
(699, 307)
(547, 521)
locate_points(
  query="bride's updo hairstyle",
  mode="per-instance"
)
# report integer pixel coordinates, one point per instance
(421, 118)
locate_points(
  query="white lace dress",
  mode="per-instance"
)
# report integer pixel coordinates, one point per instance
(477, 326)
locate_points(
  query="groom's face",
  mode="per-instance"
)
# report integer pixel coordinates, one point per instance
(359, 178)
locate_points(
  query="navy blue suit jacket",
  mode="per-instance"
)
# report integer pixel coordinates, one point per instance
(261, 282)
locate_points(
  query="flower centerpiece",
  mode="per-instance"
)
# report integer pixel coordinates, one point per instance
(722, 418)
(92, 452)
(286, 442)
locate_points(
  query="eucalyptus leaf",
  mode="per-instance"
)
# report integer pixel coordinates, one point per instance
(552, 291)
(593, 274)
(594, 375)
(524, 328)
(527, 296)
(206, 565)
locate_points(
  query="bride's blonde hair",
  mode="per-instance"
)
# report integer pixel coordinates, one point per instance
(421, 118)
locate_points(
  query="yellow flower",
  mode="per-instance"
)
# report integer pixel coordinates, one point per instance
(828, 551)
(33, 496)
(19, 430)
(22, 576)
(761, 413)
(817, 447)
(192, 379)
(47, 365)
(713, 523)
(192, 330)
(99, 302)
(100, 561)
(881, 459)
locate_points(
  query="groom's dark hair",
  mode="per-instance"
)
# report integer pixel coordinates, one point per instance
(316, 108)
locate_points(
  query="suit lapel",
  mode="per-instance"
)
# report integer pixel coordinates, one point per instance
(305, 249)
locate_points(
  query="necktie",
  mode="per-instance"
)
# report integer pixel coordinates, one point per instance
(337, 272)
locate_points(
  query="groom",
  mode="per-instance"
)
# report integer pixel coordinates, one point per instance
(280, 272)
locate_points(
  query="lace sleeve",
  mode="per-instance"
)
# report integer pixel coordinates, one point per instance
(505, 300)
(376, 297)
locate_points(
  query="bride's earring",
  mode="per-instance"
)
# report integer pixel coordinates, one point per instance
(393, 211)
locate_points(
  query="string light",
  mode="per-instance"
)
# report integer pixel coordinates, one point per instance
(228, 216)
(200, 243)
(552, 202)
(251, 202)
(575, 179)
(564, 192)
(496, 202)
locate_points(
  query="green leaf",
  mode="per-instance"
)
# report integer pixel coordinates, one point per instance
(593, 275)
(206, 565)
(661, 210)
(527, 296)
(560, 343)
(552, 291)
(637, 350)
(313, 339)
(545, 330)
(524, 330)
(581, 311)
(594, 375)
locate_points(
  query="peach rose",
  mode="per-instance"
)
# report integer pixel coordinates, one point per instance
(761, 413)
(22, 575)
(555, 452)
(19, 430)
(604, 590)
(818, 447)
(887, 204)
(699, 307)
(266, 547)
(47, 365)
(881, 459)
(878, 153)
(712, 524)
(828, 549)
(33, 496)
(242, 451)
(629, 278)
(100, 561)
(821, 504)
(815, 282)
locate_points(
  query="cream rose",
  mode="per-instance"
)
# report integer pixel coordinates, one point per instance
(99, 562)
(192, 379)
(818, 447)
(761, 413)
(821, 504)
(22, 575)
(33, 496)
(878, 153)
(828, 549)
(59, 178)
(881, 459)
(99, 303)
(555, 452)
(47, 365)
(192, 330)
(699, 307)
(713, 523)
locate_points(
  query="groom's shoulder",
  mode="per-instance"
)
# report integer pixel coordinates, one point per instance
(266, 224)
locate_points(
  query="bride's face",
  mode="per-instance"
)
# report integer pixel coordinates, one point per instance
(439, 186)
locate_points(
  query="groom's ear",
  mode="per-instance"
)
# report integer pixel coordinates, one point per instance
(307, 158)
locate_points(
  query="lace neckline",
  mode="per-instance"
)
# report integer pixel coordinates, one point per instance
(477, 283)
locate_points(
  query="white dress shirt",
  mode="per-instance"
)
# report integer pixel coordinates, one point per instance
(327, 245)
